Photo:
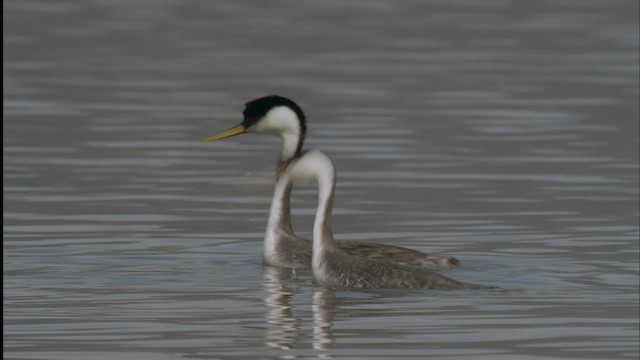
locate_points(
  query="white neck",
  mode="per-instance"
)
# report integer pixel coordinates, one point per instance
(323, 242)
(284, 122)
(290, 141)
(315, 167)
(279, 217)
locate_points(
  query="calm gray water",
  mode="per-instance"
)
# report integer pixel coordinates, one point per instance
(504, 133)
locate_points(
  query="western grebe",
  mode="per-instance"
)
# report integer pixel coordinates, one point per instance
(331, 265)
(280, 116)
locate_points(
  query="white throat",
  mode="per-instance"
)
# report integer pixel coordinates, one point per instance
(283, 122)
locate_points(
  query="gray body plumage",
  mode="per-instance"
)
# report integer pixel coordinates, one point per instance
(295, 252)
(355, 272)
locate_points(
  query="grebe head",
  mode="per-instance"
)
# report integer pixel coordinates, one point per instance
(311, 167)
(275, 115)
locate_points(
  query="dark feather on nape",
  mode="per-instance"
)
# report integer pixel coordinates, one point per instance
(258, 108)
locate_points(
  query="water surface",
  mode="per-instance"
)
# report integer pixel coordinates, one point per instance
(503, 133)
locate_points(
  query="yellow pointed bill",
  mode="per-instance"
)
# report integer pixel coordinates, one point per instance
(236, 130)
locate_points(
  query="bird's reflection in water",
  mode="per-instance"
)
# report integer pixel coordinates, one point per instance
(282, 330)
(323, 306)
